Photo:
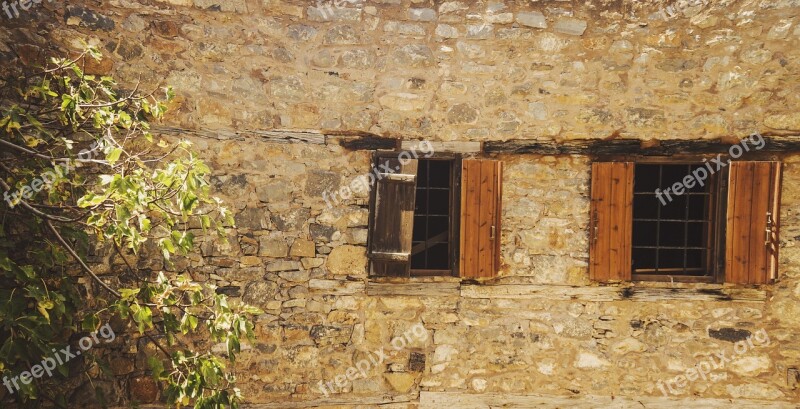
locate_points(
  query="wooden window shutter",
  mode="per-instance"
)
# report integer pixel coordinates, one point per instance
(751, 245)
(481, 208)
(392, 218)
(611, 221)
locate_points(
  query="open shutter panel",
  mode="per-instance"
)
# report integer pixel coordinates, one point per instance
(611, 221)
(393, 218)
(481, 197)
(751, 245)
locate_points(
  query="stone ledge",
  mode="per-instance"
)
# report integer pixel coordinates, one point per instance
(437, 400)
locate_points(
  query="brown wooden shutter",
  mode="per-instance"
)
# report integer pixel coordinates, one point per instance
(611, 221)
(751, 245)
(481, 208)
(392, 218)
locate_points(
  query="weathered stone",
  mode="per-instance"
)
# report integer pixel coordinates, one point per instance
(292, 220)
(283, 265)
(416, 362)
(422, 14)
(413, 55)
(259, 293)
(400, 382)
(329, 335)
(329, 12)
(357, 59)
(570, 26)
(321, 232)
(788, 122)
(301, 32)
(588, 360)
(273, 247)
(237, 6)
(479, 32)
(751, 365)
(406, 29)
(347, 260)
(533, 19)
(729, 334)
(446, 31)
(462, 114)
(319, 181)
(78, 15)
(303, 248)
(143, 389)
(341, 35)
(293, 276)
(403, 101)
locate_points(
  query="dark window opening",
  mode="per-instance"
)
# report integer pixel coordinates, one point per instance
(671, 237)
(431, 243)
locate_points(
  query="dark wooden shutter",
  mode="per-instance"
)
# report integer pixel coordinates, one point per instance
(751, 245)
(392, 217)
(611, 221)
(481, 208)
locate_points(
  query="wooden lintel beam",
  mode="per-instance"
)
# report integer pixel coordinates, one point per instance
(633, 147)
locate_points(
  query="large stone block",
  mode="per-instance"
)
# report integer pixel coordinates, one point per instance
(347, 260)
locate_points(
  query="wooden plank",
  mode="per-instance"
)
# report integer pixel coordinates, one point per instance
(464, 400)
(393, 219)
(757, 273)
(441, 147)
(739, 210)
(426, 289)
(601, 193)
(730, 212)
(336, 287)
(781, 145)
(616, 222)
(775, 201)
(470, 209)
(627, 233)
(498, 217)
(486, 219)
(274, 136)
(692, 292)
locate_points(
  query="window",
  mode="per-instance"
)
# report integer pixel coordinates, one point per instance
(672, 238)
(432, 236)
(710, 233)
(436, 216)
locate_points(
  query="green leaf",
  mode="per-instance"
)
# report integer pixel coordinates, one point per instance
(43, 306)
(114, 155)
(90, 323)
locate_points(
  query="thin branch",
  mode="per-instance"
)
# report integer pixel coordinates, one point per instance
(80, 261)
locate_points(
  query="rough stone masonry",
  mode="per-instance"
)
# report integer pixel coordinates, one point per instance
(267, 90)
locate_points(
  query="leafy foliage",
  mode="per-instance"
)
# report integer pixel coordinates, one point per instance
(82, 173)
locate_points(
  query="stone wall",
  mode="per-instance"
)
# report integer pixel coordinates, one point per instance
(457, 71)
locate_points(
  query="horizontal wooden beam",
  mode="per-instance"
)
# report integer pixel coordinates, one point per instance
(612, 293)
(413, 289)
(277, 136)
(441, 147)
(633, 146)
(463, 400)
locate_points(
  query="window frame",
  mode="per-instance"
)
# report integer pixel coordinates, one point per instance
(718, 193)
(454, 211)
(719, 275)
